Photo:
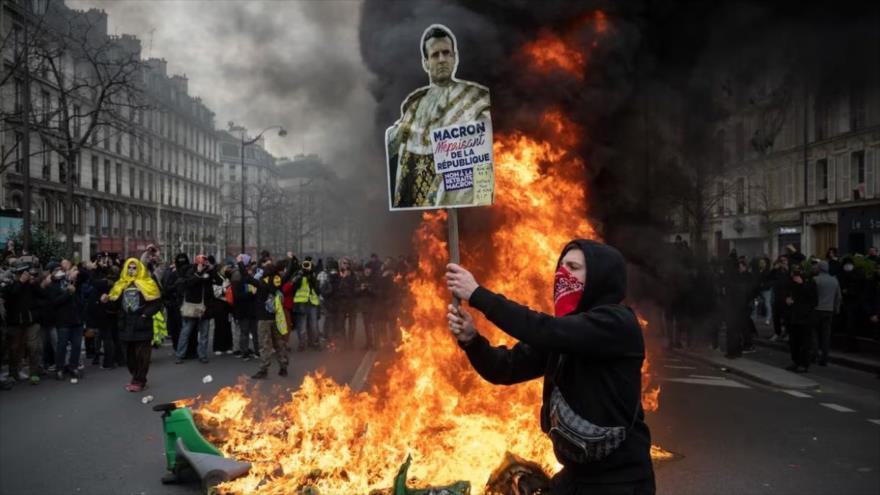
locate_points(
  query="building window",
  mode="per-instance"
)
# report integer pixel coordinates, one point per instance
(118, 178)
(77, 122)
(119, 144)
(141, 184)
(94, 173)
(47, 163)
(58, 212)
(105, 222)
(150, 186)
(822, 181)
(131, 177)
(45, 106)
(18, 160)
(93, 219)
(857, 173)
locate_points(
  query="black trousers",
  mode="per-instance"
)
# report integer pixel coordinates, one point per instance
(565, 484)
(114, 353)
(174, 322)
(222, 331)
(800, 338)
(138, 358)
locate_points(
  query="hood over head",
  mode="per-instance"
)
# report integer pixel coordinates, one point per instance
(823, 266)
(606, 274)
(181, 260)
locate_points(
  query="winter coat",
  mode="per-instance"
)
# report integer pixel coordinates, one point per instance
(802, 311)
(136, 315)
(67, 307)
(23, 303)
(601, 377)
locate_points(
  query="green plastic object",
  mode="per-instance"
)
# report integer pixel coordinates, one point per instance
(178, 423)
(400, 488)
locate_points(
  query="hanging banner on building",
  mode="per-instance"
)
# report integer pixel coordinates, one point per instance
(439, 153)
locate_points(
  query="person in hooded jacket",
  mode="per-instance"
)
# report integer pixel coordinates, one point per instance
(67, 307)
(138, 298)
(199, 282)
(590, 356)
(801, 297)
(172, 295)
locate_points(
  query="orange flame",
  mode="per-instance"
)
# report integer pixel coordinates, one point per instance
(428, 402)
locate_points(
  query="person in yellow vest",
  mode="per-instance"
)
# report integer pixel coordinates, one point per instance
(267, 280)
(305, 307)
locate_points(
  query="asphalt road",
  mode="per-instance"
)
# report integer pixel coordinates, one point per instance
(93, 437)
(732, 436)
(739, 437)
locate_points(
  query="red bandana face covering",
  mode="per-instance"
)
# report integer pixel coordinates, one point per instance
(567, 291)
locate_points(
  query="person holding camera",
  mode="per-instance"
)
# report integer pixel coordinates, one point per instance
(305, 306)
(62, 297)
(267, 280)
(198, 295)
(589, 353)
(23, 303)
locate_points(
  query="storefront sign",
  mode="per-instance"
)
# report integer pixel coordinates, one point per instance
(789, 230)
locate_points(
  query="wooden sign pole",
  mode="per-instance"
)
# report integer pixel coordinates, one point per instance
(452, 240)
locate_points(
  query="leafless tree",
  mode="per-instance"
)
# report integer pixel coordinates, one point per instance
(96, 82)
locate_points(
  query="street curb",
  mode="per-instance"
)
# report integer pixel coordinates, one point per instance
(363, 371)
(730, 367)
(861, 365)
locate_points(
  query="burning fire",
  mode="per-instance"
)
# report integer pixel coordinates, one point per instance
(428, 402)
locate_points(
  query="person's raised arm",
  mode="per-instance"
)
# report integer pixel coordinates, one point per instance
(498, 365)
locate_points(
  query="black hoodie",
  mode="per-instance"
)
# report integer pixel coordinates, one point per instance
(601, 379)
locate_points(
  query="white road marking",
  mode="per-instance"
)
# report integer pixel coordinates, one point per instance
(875, 421)
(673, 367)
(710, 377)
(712, 382)
(799, 395)
(837, 407)
(672, 360)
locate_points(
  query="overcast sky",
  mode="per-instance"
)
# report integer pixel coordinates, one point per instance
(259, 63)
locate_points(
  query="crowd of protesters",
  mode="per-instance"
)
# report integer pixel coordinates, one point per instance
(118, 312)
(805, 300)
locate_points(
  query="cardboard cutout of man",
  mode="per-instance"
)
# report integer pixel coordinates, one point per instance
(413, 180)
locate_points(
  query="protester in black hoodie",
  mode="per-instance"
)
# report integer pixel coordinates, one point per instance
(592, 352)
(801, 298)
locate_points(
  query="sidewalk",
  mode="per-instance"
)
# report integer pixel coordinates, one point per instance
(863, 362)
(749, 368)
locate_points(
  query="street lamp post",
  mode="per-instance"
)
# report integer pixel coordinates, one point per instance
(281, 132)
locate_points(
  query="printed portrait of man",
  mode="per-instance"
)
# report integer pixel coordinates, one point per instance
(413, 181)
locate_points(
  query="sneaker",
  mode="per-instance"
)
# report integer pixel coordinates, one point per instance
(203, 360)
(767, 322)
(76, 374)
(282, 371)
(52, 369)
(21, 375)
(178, 361)
(229, 352)
(59, 375)
(774, 338)
(35, 380)
(260, 375)
(246, 357)
(81, 366)
(218, 353)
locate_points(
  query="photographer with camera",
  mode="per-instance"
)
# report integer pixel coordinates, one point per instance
(197, 307)
(305, 306)
(63, 297)
(268, 283)
(23, 301)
